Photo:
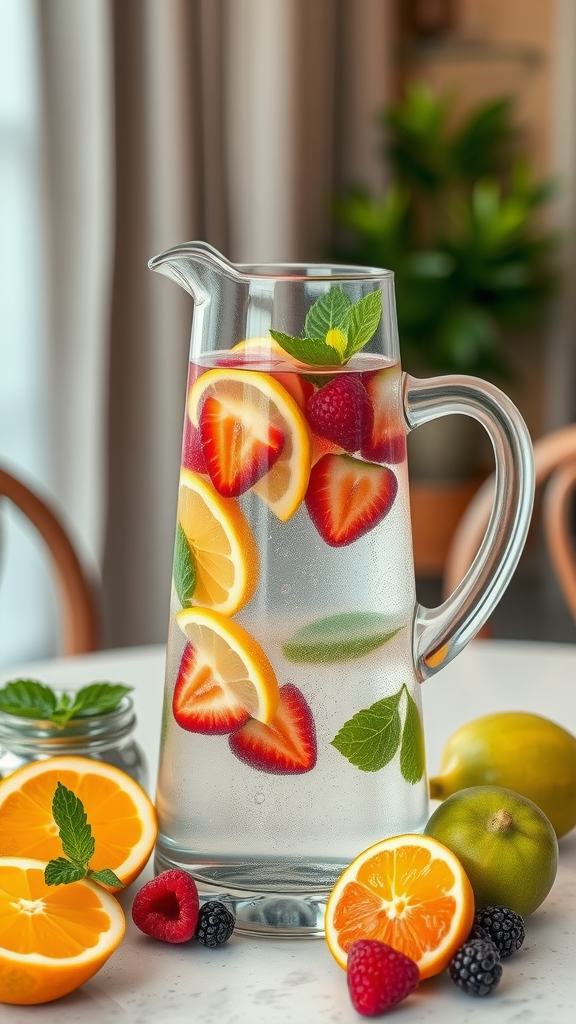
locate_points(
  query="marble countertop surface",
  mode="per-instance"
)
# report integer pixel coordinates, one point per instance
(277, 981)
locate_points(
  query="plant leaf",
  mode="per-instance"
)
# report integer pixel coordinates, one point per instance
(330, 310)
(313, 351)
(61, 872)
(95, 699)
(75, 832)
(184, 568)
(106, 877)
(370, 739)
(412, 755)
(27, 698)
(339, 637)
(363, 319)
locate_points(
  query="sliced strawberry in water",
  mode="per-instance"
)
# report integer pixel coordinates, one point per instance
(299, 389)
(387, 439)
(287, 745)
(237, 452)
(201, 702)
(346, 497)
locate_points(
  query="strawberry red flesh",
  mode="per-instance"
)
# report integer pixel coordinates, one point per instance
(287, 745)
(236, 455)
(200, 702)
(341, 412)
(387, 439)
(346, 497)
(192, 454)
(167, 907)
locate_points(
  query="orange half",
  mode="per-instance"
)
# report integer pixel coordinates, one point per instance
(408, 891)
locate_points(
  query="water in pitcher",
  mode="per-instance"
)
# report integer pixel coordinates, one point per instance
(291, 737)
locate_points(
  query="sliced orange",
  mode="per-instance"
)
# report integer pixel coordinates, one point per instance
(408, 891)
(121, 815)
(260, 408)
(267, 351)
(222, 544)
(228, 662)
(52, 938)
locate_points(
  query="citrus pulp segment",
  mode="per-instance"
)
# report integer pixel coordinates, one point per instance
(408, 892)
(222, 544)
(52, 938)
(120, 814)
(260, 407)
(232, 661)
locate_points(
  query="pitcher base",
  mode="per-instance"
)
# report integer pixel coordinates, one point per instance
(276, 897)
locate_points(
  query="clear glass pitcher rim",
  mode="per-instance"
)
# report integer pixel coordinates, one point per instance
(278, 270)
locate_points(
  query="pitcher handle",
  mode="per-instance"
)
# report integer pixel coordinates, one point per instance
(441, 633)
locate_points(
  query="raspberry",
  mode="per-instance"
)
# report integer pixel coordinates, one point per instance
(341, 412)
(379, 976)
(215, 924)
(167, 907)
(505, 928)
(476, 967)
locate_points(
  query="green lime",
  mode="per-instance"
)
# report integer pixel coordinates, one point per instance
(504, 842)
(526, 753)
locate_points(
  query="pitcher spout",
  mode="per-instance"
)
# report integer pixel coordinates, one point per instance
(195, 266)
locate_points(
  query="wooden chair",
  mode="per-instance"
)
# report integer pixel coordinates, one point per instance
(555, 470)
(79, 618)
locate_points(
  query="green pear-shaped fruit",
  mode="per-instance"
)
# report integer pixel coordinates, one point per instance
(520, 751)
(504, 842)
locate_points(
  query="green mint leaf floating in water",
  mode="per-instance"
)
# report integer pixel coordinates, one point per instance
(31, 699)
(27, 698)
(62, 871)
(339, 637)
(329, 311)
(371, 738)
(412, 755)
(184, 569)
(75, 832)
(77, 843)
(106, 877)
(306, 350)
(335, 328)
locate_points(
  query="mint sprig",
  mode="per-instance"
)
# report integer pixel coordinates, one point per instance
(184, 571)
(370, 739)
(78, 844)
(335, 328)
(29, 698)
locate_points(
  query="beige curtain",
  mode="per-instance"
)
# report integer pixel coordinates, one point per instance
(234, 121)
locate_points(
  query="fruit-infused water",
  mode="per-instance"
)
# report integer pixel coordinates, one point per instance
(292, 735)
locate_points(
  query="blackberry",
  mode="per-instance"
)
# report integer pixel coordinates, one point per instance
(476, 967)
(215, 924)
(505, 928)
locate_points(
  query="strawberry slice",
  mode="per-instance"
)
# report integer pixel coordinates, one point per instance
(192, 454)
(287, 745)
(346, 497)
(201, 703)
(386, 441)
(237, 452)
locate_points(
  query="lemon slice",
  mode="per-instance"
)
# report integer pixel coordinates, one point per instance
(232, 660)
(260, 404)
(266, 348)
(222, 544)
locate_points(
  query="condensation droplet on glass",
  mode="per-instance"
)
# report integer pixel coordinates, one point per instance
(285, 588)
(259, 798)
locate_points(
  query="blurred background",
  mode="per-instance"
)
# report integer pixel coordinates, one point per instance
(435, 137)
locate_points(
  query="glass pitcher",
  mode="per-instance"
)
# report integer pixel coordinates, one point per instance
(292, 733)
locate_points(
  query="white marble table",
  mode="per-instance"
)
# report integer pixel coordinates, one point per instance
(284, 981)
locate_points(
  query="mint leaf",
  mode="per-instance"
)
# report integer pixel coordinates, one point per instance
(315, 352)
(27, 698)
(75, 832)
(61, 872)
(363, 319)
(97, 699)
(184, 568)
(330, 310)
(412, 755)
(106, 877)
(370, 739)
(339, 637)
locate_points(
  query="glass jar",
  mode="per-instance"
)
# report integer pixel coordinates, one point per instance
(106, 737)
